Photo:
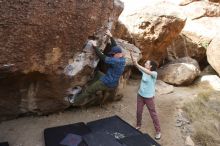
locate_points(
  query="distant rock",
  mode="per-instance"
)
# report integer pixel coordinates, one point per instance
(182, 71)
(213, 53)
(212, 81)
(189, 142)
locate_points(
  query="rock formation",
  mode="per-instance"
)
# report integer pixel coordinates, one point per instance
(154, 28)
(213, 54)
(38, 40)
(184, 46)
(182, 71)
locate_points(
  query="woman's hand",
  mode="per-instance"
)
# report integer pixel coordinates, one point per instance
(135, 62)
(132, 58)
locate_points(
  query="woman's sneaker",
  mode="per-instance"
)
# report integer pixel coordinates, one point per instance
(73, 92)
(158, 136)
(138, 127)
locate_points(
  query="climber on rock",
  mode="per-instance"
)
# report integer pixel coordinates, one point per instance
(101, 81)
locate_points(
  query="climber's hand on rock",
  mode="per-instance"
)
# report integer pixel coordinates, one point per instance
(94, 43)
(108, 33)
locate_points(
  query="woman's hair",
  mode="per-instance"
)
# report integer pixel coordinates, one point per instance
(153, 65)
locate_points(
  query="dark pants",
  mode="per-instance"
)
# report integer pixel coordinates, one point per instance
(95, 85)
(141, 101)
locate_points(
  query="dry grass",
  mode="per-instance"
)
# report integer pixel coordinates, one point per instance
(197, 108)
(204, 139)
(204, 118)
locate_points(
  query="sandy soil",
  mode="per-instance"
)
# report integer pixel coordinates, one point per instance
(28, 131)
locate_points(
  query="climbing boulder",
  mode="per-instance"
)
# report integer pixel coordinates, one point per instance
(39, 39)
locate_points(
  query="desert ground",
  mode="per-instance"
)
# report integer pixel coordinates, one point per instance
(28, 130)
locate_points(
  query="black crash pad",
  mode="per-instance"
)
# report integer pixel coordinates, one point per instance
(100, 139)
(4, 144)
(139, 140)
(111, 131)
(56, 135)
(114, 126)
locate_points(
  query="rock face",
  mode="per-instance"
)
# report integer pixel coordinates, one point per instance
(121, 31)
(154, 28)
(32, 93)
(186, 2)
(208, 71)
(38, 40)
(205, 27)
(42, 35)
(201, 27)
(204, 9)
(183, 71)
(213, 54)
(215, 1)
(127, 47)
(184, 46)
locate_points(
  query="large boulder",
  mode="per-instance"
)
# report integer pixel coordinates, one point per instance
(38, 41)
(154, 28)
(213, 53)
(201, 27)
(183, 71)
(186, 2)
(202, 9)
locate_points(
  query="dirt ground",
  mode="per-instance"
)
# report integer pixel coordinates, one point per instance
(28, 131)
